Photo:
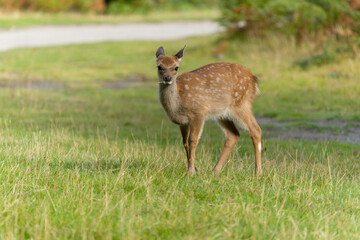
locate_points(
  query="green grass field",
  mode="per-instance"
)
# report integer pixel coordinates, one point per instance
(23, 19)
(82, 160)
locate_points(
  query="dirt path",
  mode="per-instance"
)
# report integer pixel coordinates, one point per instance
(326, 130)
(59, 35)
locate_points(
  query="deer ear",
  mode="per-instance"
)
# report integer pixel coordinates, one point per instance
(180, 54)
(160, 52)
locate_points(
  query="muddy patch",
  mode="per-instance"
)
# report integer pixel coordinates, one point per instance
(34, 85)
(123, 83)
(327, 130)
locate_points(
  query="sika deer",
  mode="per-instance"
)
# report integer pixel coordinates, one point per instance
(220, 91)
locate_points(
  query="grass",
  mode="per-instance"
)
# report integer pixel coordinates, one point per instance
(23, 19)
(289, 93)
(84, 161)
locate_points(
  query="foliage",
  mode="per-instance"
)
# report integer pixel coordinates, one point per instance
(130, 6)
(54, 5)
(109, 6)
(297, 17)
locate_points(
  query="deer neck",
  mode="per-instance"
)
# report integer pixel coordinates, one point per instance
(169, 99)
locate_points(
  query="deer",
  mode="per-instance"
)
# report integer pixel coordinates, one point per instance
(220, 91)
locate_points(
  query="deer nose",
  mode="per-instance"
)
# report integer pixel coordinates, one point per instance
(167, 78)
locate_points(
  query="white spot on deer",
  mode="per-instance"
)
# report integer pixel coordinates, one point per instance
(186, 87)
(218, 79)
(236, 94)
(247, 91)
(239, 71)
(205, 75)
(211, 75)
(197, 78)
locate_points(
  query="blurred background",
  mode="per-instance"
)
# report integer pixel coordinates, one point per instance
(86, 151)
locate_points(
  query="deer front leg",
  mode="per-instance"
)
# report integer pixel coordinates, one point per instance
(195, 131)
(185, 132)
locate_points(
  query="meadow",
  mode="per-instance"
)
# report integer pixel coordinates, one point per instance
(87, 151)
(22, 19)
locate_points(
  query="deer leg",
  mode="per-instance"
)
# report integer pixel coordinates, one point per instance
(246, 116)
(195, 131)
(185, 132)
(255, 133)
(231, 136)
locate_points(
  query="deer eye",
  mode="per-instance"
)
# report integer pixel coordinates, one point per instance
(159, 68)
(177, 68)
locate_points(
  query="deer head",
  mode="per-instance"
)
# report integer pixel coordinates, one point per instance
(168, 66)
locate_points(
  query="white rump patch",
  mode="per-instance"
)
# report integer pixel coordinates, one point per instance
(257, 90)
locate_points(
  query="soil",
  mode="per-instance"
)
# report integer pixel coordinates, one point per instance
(34, 85)
(326, 130)
(128, 82)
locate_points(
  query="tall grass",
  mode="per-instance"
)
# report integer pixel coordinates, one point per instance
(101, 171)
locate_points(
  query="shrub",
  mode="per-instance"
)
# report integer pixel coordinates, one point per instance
(297, 17)
(54, 5)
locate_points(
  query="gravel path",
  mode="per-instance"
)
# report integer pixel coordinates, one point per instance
(59, 35)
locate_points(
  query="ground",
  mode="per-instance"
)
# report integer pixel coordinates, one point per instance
(87, 152)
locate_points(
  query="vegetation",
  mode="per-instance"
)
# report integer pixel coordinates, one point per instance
(80, 159)
(87, 152)
(106, 6)
(324, 92)
(298, 17)
(13, 20)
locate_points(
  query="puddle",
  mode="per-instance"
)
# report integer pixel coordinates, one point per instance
(124, 83)
(327, 130)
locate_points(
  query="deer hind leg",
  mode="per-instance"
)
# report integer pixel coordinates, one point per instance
(231, 136)
(195, 131)
(185, 132)
(245, 116)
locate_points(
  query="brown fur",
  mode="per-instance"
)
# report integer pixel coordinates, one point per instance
(220, 91)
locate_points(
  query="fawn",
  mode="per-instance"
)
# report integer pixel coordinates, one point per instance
(220, 91)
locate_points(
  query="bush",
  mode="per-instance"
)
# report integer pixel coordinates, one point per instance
(130, 6)
(54, 5)
(297, 17)
(110, 6)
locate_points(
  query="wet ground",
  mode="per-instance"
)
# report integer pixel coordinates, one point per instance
(324, 130)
